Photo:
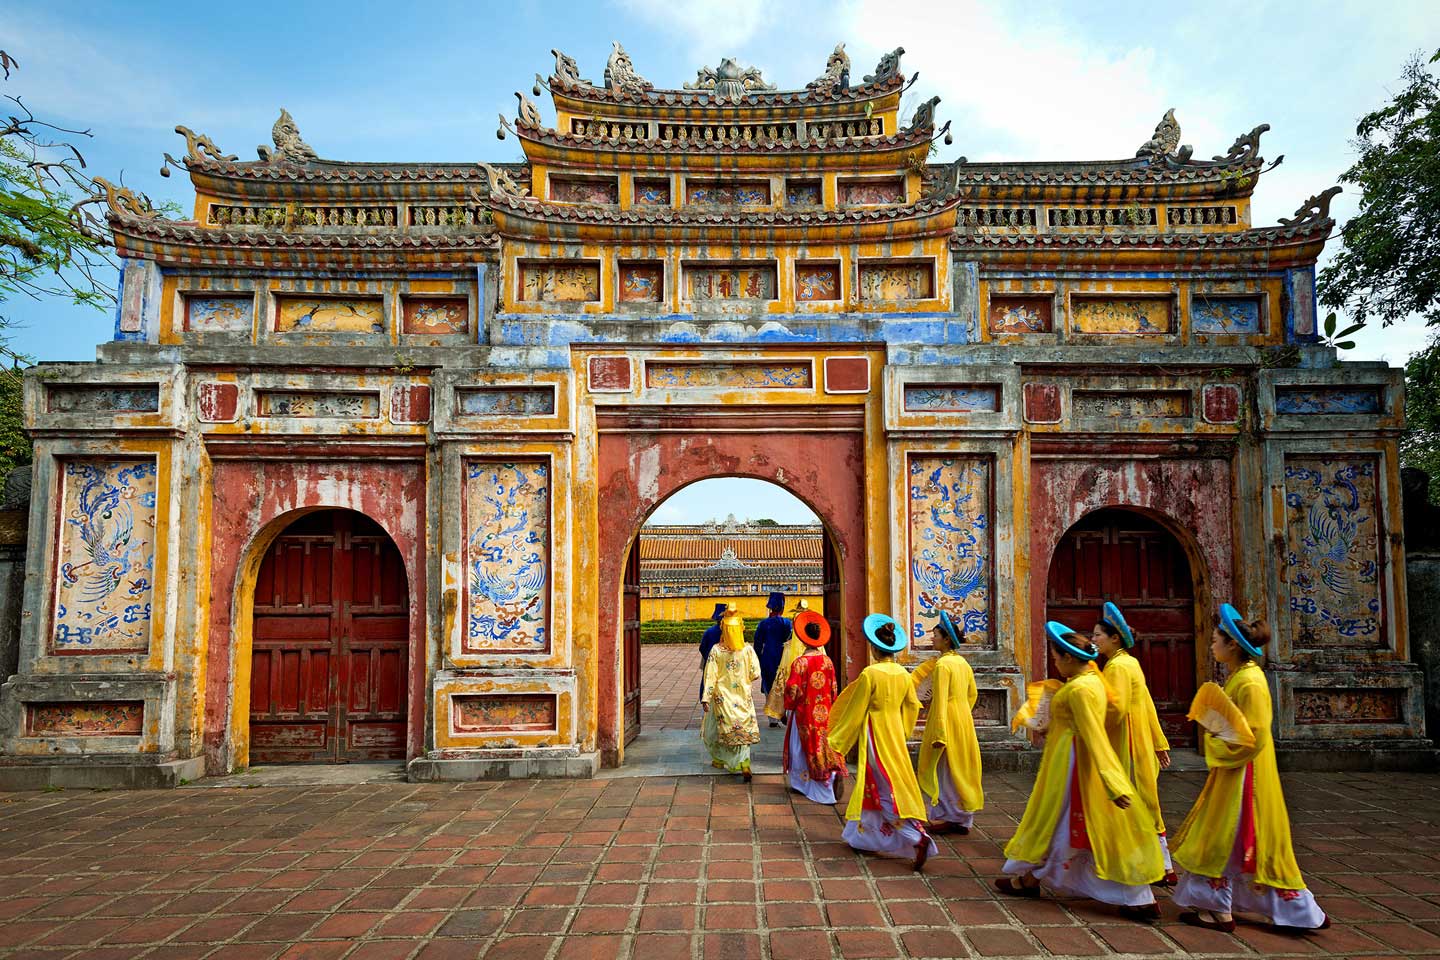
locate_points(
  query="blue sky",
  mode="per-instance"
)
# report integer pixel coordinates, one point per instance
(426, 81)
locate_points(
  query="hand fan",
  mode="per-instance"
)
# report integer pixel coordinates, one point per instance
(1217, 713)
(1035, 712)
(922, 680)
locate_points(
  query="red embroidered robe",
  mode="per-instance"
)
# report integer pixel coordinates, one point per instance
(810, 691)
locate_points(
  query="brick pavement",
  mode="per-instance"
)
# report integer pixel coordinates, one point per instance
(650, 869)
(670, 687)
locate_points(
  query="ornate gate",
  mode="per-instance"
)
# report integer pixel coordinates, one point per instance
(630, 626)
(1125, 557)
(328, 663)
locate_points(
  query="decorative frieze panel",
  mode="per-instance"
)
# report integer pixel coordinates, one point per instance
(105, 557)
(102, 398)
(1131, 216)
(604, 190)
(748, 375)
(1130, 404)
(305, 404)
(743, 193)
(435, 316)
(505, 401)
(217, 402)
(1332, 564)
(1220, 403)
(220, 313)
(1225, 315)
(609, 374)
(1122, 315)
(950, 545)
(992, 708)
(817, 281)
(897, 280)
(730, 281)
(1021, 314)
(985, 217)
(85, 718)
(652, 193)
(1207, 216)
(642, 282)
(329, 314)
(1309, 400)
(952, 397)
(886, 192)
(504, 713)
(507, 557)
(559, 281)
(803, 193)
(1042, 402)
(1357, 705)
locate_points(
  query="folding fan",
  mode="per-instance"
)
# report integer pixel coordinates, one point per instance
(922, 680)
(1035, 712)
(1217, 713)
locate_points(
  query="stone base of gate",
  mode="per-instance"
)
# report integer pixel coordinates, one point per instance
(1327, 756)
(133, 774)
(505, 765)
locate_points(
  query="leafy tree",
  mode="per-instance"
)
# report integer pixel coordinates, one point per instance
(15, 447)
(1420, 443)
(1389, 266)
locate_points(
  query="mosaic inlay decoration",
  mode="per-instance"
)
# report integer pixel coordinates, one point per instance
(220, 314)
(1131, 404)
(642, 283)
(85, 718)
(503, 713)
(1356, 705)
(1021, 314)
(819, 281)
(435, 316)
(336, 315)
(1110, 315)
(872, 192)
(803, 193)
(560, 282)
(897, 281)
(102, 398)
(1224, 314)
(1313, 400)
(733, 281)
(105, 566)
(585, 190)
(953, 397)
(950, 546)
(1332, 559)
(747, 193)
(305, 404)
(652, 193)
(505, 401)
(507, 557)
(749, 376)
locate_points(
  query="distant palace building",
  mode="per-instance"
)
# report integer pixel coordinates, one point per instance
(686, 569)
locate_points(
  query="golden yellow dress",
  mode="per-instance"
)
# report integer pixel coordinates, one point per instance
(1072, 836)
(955, 793)
(1237, 854)
(729, 726)
(775, 700)
(1133, 725)
(878, 712)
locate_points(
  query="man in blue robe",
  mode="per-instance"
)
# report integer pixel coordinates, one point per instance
(770, 638)
(708, 640)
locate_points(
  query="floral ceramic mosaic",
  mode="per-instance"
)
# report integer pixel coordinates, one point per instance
(501, 713)
(803, 193)
(305, 404)
(1112, 315)
(560, 282)
(750, 376)
(953, 397)
(435, 316)
(897, 281)
(1353, 705)
(507, 557)
(82, 718)
(872, 192)
(652, 193)
(1020, 314)
(102, 398)
(220, 314)
(298, 314)
(1332, 558)
(745, 193)
(642, 283)
(817, 282)
(505, 401)
(1326, 400)
(950, 545)
(585, 190)
(730, 282)
(106, 561)
(1222, 315)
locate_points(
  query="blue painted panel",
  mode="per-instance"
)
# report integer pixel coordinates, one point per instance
(1224, 314)
(1327, 400)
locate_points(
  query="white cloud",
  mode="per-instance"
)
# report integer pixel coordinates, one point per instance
(712, 29)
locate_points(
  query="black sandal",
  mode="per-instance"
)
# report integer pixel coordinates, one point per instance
(1194, 919)
(1010, 888)
(1145, 913)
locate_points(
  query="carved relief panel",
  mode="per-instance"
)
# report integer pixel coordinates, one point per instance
(544, 281)
(1122, 315)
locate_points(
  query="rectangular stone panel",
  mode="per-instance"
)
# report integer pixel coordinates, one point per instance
(220, 313)
(756, 375)
(870, 192)
(85, 718)
(1333, 558)
(652, 193)
(951, 547)
(1340, 705)
(642, 282)
(1225, 315)
(1130, 404)
(1308, 400)
(504, 713)
(435, 316)
(817, 281)
(585, 190)
(803, 193)
(897, 280)
(505, 401)
(304, 404)
(745, 193)
(102, 398)
(992, 708)
(559, 281)
(507, 556)
(329, 314)
(730, 281)
(105, 557)
(1021, 314)
(952, 397)
(1122, 315)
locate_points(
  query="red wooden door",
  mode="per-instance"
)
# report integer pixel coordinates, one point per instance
(330, 644)
(630, 625)
(1134, 562)
(830, 597)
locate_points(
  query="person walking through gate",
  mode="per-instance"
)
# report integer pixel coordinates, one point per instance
(949, 762)
(811, 764)
(771, 635)
(775, 702)
(708, 641)
(886, 814)
(729, 727)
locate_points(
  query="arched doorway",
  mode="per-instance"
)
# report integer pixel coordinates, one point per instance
(1126, 557)
(330, 644)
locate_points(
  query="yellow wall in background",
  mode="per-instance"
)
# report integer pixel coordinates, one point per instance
(700, 608)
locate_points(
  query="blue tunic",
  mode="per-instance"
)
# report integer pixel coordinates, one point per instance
(707, 641)
(771, 635)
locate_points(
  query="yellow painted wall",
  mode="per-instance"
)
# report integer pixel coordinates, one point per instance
(700, 608)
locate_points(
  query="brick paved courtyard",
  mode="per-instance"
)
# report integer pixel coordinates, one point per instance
(649, 868)
(670, 687)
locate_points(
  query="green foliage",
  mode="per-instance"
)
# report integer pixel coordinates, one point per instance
(1337, 340)
(1420, 443)
(15, 447)
(1389, 266)
(683, 631)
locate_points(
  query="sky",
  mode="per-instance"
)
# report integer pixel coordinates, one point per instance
(1040, 80)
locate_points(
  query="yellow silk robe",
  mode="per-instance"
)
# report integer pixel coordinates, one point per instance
(1205, 840)
(1134, 728)
(1124, 842)
(950, 729)
(884, 696)
(729, 675)
(775, 701)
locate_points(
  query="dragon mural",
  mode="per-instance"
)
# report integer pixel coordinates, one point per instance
(507, 556)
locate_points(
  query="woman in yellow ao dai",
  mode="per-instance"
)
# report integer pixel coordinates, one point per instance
(729, 727)
(1132, 722)
(1082, 833)
(878, 711)
(949, 762)
(1235, 844)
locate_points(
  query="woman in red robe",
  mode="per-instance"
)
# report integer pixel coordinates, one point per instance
(811, 764)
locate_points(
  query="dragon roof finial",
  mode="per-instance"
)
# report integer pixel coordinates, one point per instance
(289, 148)
(837, 71)
(1165, 140)
(620, 73)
